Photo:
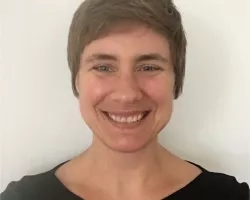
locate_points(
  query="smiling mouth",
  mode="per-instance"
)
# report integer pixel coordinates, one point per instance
(127, 118)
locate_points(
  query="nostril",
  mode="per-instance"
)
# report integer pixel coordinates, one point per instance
(126, 96)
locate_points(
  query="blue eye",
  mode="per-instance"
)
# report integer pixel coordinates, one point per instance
(103, 68)
(149, 68)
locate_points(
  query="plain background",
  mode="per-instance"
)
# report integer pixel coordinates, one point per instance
(40, 124)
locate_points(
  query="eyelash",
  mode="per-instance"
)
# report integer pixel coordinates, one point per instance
(108, 69)
(98, 68)
(155, 68)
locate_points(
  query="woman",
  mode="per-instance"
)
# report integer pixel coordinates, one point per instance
(127, 60)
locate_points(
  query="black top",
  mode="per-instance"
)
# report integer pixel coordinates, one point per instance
(207, 186)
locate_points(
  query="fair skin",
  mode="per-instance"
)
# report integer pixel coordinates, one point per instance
(126, 91)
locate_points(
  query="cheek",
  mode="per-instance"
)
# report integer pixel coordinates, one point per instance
(91, 90)
(160, 89)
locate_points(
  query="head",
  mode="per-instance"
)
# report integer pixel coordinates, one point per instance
(127, 61)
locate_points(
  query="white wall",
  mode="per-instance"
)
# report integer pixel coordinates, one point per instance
(40, 124)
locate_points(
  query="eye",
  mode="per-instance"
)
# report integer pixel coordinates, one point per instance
(148, 68)
(103, 68)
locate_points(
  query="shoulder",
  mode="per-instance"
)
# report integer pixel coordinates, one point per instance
(36, 187)
(223, 186)
(29, 187)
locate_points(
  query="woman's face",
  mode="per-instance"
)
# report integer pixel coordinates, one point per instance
(126, 87)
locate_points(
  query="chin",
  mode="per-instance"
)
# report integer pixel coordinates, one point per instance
(128, 147)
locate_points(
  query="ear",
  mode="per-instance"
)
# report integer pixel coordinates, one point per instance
(77, 83)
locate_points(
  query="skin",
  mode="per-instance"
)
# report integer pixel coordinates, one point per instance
(126, 72)
(125, 87)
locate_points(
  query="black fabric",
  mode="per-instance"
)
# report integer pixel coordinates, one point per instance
(207, 186)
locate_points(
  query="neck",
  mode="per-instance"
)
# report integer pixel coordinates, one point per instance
(126, 169)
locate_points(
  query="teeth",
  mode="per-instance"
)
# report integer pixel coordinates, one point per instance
(130, 119)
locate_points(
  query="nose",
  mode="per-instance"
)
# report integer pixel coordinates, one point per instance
(126, 90)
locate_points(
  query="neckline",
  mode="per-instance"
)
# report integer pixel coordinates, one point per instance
(180, 191)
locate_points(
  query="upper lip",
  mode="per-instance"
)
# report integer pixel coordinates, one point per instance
(126, 113)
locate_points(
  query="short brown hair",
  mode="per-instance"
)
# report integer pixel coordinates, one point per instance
(93, 17)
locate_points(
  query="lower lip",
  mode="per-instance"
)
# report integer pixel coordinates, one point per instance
(126, 125)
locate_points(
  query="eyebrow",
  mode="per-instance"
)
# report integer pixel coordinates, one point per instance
(151, 56)
(139, 58)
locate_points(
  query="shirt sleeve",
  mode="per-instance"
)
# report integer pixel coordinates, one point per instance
(242, 192)
(11, 192)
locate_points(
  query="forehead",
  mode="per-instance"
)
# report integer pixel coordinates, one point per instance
(128, 40)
